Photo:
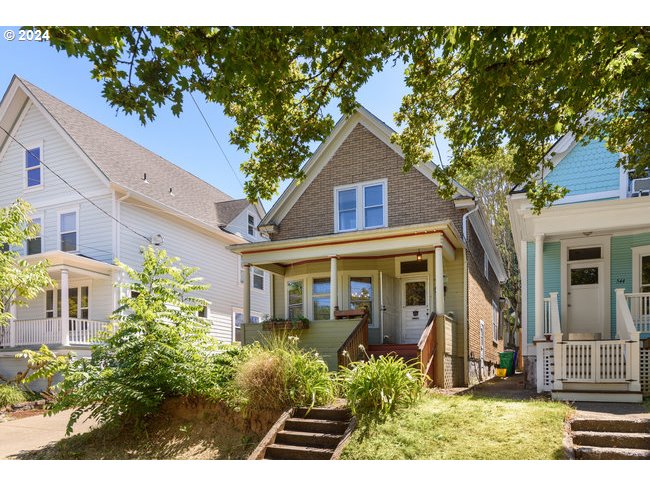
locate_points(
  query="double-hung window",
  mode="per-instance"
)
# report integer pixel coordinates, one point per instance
(295, 298)
(320, 296)
(258, 278)
(35, 245)
(33, 168)
(68, 232)
(361, 206)
(251, 225)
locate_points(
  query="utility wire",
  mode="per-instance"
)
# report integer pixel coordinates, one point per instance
(216, 140)
(73, 188)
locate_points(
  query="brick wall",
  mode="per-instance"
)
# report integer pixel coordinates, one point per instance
(412, 197)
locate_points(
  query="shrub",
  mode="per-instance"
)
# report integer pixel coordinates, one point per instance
(43, 364)
(279, 374)
(10, 394)
(378, 387)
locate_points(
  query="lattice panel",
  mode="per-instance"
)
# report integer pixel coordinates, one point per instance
(645, 372)
(548, 366)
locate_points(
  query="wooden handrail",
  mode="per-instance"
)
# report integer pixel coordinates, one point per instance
(427, 348)
(349, 351)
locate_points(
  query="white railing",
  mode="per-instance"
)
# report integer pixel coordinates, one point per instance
(596, 361)
(547, 316)
(639, 306)
(49, 331)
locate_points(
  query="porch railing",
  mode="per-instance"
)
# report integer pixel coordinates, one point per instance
(49, 331)
(349, 351)
(427, 349)
(639, 306)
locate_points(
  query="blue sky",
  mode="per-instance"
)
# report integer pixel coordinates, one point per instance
(183, 140)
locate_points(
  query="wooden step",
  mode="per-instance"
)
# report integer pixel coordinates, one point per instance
(611, 425)
(333, 414)
(612, 439)
(316, 425)
(303, 438)
(290, 452)
(600, 453)
(407, 351)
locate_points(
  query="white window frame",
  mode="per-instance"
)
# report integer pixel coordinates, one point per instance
(58, 227)
(495, 323)
(241, 269)
(73, 284)
(248, 225)
(240, 311)
(637, 254)
(360, 205)
(41, 217)
(36, 145)
(259, 273)
(304, 295)
(307, 286)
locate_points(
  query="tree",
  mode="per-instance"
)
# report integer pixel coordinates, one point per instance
(155, 347)
(19, 280)
(480, 87)
(487, 177)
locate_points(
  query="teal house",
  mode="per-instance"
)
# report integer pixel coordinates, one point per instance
(585, 273)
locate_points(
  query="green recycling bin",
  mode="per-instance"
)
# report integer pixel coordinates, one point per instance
(507, 361)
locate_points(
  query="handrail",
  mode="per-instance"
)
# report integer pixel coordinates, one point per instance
(427, 348)
(348, 352)
(624, 322)
(554, 315)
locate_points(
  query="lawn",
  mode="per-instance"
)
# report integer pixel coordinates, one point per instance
(465, 428)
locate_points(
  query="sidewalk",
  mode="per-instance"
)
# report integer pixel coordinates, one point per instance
(36, 432)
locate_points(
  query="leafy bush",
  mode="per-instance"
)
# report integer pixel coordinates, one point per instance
(378, 387)
(10, 394)
(279, 374)
(43, 364)
(157, 347)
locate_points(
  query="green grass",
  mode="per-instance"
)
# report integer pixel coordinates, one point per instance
(465, 428)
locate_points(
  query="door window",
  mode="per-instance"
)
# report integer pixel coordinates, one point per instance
(321, 298)
(415, 293)
(584, 276)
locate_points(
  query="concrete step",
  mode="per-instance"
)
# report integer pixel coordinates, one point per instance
(596, 396)
(290, 452)
(302, 438)
(612, 439)
(600, 453)
(611, 425)
(333, 414)
(316, 425)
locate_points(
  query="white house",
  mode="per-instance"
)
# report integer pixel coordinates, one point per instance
(99, 196)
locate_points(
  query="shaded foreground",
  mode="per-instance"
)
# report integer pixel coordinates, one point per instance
(466, 427)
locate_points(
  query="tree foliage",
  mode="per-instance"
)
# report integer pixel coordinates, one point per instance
(155, 347)
(480, 87)
(20, 281)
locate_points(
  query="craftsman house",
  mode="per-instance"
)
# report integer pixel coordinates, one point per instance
(585, 273)
(131, 197)
(372, 256)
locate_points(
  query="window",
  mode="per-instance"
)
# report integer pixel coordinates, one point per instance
(361, 206)
(203, 312)
(258, 278)
(495, 322)
(49, 304)
(242, 269)
(585, 253)
(295, 299)
(645, 274)
(68, 231)
(321, 298)
(5, 248)
(412, 266)
(361, 294)
(584, 276)
(33, 173)
(78, 303)
(238, 319)
(35, 245)
(251, 225)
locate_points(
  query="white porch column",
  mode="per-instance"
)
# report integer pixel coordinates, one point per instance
(65, 309)
(12, 325)
(334, 300)
(440, 283)
(539, 287)
(247, 294)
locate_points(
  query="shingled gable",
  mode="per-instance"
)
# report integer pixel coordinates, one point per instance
(326, 150)
(124, 163)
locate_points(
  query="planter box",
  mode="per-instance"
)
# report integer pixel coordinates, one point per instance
(284, 325)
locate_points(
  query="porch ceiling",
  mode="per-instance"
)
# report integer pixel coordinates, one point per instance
(78, 266)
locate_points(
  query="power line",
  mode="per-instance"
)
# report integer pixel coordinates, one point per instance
(73, 188)
(216, 140)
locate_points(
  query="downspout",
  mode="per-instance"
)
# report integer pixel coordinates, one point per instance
(465, 222)
(466, 300)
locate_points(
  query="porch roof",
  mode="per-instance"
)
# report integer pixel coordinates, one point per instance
(78, 265)
(376, 242)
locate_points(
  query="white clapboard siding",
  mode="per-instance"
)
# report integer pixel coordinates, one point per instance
(239, 225)
(218, 266)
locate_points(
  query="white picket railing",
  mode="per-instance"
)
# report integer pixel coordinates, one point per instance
(49, 331)
(595, 361)
(639, 305)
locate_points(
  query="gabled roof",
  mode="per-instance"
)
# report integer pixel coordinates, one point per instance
(124, 162)
(227, 211)
(327, 149)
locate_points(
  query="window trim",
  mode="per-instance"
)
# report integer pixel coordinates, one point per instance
(360, 207)
(256, 271)
(495, 323)
(303, 280)
(34, 145)
(41, 235)
(249, 215)
(308, 284)
(637, 254)
(72, 284)
(64, 211)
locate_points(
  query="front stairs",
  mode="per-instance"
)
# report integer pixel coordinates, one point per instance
(306, 434)
(611, 438)
(408, 351)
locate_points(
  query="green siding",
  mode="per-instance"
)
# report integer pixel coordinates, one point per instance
(552, 262)
(621, 266)
(326, 337)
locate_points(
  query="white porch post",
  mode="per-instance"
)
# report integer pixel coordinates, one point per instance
(539, 287)
(12, 325)
(65, 310)
(334, 302)
(247, 294)
(440, 283)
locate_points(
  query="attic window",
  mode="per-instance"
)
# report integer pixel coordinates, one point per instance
(33, 172)
(251, 225)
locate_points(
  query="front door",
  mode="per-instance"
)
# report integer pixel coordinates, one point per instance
(415, 308)
(585, 296)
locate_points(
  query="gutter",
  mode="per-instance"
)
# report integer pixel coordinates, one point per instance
(465, 216)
